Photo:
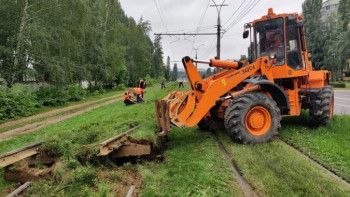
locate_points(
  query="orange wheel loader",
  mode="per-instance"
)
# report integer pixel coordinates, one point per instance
(249, 97)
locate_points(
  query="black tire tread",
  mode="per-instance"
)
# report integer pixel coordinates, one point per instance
(320, 106)
(235, 117)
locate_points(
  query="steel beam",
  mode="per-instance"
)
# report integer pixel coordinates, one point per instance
(19, 154)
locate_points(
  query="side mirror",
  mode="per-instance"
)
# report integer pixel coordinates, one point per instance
(245, 34)
(309, 55)
(300, 24)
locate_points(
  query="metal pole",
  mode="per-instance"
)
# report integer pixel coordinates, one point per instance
(218, 33)
(196, 58)
(218, 46)
(196, 49)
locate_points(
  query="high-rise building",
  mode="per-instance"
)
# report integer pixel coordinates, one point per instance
(329, 7)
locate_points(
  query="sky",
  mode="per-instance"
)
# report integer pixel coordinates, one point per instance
(188, 16)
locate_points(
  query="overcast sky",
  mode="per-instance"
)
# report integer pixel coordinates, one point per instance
(186, 15)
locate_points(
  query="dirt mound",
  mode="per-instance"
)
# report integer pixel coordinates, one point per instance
(34, 168)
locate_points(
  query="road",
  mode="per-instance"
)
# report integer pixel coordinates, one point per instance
(342, 102)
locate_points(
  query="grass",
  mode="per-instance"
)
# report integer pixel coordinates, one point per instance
(193, 166)
(76, 140)
(4, 184)
(53, 115)
(347, 86)
(103, 121)
(50, 108)
(274, 169)
(329, 145)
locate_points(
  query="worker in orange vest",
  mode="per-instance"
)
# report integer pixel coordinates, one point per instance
(138, 93)
(142, 84)
(128, 99)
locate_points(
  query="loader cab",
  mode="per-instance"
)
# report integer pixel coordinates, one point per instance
(281, 38)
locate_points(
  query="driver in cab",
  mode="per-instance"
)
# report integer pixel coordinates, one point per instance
(275, 46)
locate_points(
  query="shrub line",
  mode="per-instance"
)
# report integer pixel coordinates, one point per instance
(55, 111)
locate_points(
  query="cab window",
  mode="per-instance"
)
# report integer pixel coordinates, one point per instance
(270, 39)
(293, 45)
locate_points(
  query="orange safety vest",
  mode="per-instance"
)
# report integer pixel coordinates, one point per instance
(139, 91)
(126, 97)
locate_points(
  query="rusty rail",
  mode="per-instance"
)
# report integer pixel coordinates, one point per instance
(20, 189)
(19, 154)
(122, 146)
(131, 191)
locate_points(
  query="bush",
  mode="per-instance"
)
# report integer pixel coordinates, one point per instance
(52, 96)
(15, 102)
(151, 81)
(338, 84)
(120, 87)
(76, 93)
(97, 89)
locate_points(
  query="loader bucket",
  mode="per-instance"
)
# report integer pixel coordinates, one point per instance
(162, 116)
(167, 108)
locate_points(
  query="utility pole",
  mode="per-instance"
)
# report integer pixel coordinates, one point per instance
(196, 49)
(218, 34)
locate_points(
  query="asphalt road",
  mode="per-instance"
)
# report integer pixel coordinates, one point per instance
(342, 102)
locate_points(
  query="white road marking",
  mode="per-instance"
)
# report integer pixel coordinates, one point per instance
(341, 98)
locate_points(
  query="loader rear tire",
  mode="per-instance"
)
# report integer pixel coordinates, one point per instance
(252, 118)
(322, 105)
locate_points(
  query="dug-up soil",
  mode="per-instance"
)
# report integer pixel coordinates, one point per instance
(34, 168)
(42, 166)
(127, 179)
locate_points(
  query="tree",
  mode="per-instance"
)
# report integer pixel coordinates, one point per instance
(67, 42)
(243, 57)
(314, 35)
(344, 14)
(174, 73)
(167, 69)
(14, 18)
(209, 73)
(337, 44)
(344, 33)
(157, 57)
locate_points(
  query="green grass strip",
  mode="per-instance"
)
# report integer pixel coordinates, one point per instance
(329, 144)
(275, 169)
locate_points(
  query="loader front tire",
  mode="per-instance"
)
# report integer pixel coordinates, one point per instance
(252, 118)
(203, 125)
(322, 105)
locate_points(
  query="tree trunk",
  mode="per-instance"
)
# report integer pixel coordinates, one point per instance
(19, 40)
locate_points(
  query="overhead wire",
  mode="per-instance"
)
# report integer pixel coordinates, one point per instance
(160, 16)
(192, 30)
(244, 13)
(234, 13)
(159, 9)
(208, 51)
(200, 22)
(202, 16)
